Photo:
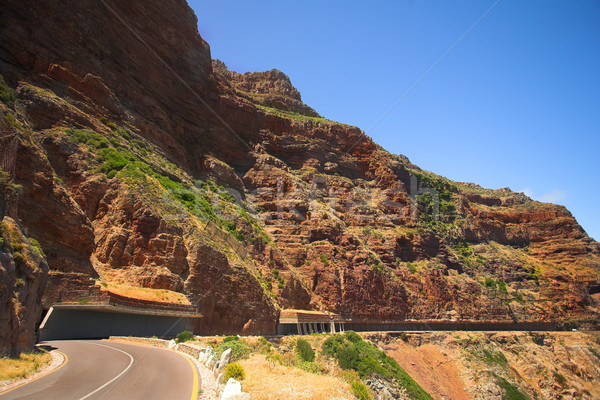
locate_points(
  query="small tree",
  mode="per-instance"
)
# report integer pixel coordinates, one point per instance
(184, 336)
(305, 351)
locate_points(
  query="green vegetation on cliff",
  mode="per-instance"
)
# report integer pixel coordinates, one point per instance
(7, 95)
(8, 191)
(135, 162)
(354, 353)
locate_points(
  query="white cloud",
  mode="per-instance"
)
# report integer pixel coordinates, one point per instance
(555, 196)
(528, 192)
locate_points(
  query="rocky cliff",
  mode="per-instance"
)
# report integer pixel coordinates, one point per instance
(23, 275)
(145, 163)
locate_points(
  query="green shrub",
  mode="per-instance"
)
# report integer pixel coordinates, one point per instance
(310, 366)
(275, 357)
(123, 133)
(235, 371)
(511, 392)
(502, 287)
(360, 391)
(37, 248)
(239, 349)
(264, 346)
(378, 268)
(490, 283)
(17, 246)
(411, 267)
(8, 189)
(230, 339)
(87, 137)
(324, 259)
(113, 127)
(519, 298)
(352, 336)
(7, 95)
(184, 336)
(115, 161)
(305, 350)
(353, 353)
(139, 144)
(404, 336)
(494, 358)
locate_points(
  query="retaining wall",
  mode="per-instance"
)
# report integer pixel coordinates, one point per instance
(189, 349)
(118, 299)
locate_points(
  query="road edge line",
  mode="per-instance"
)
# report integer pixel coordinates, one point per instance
(65, 360)
(197, 386)
(195, 371)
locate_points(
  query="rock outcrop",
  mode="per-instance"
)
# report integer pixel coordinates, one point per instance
(269, 89)
(23, 275)
(145, 163)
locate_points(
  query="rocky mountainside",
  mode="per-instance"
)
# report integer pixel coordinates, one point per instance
(143, 162)
(23, 274)
(499, 365)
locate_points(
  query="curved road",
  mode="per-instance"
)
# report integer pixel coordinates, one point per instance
(110, 370)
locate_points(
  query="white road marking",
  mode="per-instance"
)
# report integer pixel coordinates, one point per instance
(116, 377)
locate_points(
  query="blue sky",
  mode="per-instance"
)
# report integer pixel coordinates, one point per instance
(515, 104)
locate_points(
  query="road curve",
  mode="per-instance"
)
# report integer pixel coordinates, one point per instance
(109, 370)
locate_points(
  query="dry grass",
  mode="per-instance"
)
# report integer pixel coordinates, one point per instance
(289, 383)
(23, 366)
(161, 295)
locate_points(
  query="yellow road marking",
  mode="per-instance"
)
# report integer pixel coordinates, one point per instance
(195, 384)
(65, 360)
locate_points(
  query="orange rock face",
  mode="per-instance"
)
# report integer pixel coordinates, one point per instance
(144, 162)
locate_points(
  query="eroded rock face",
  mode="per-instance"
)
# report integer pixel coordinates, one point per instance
(51, 215)
(23, 275)
(228, 297)
(131, 236)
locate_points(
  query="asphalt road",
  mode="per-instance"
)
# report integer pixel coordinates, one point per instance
(98, 369)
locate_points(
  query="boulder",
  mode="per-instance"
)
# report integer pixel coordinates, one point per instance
(232, 388)
(225, 358)
(209, 360)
